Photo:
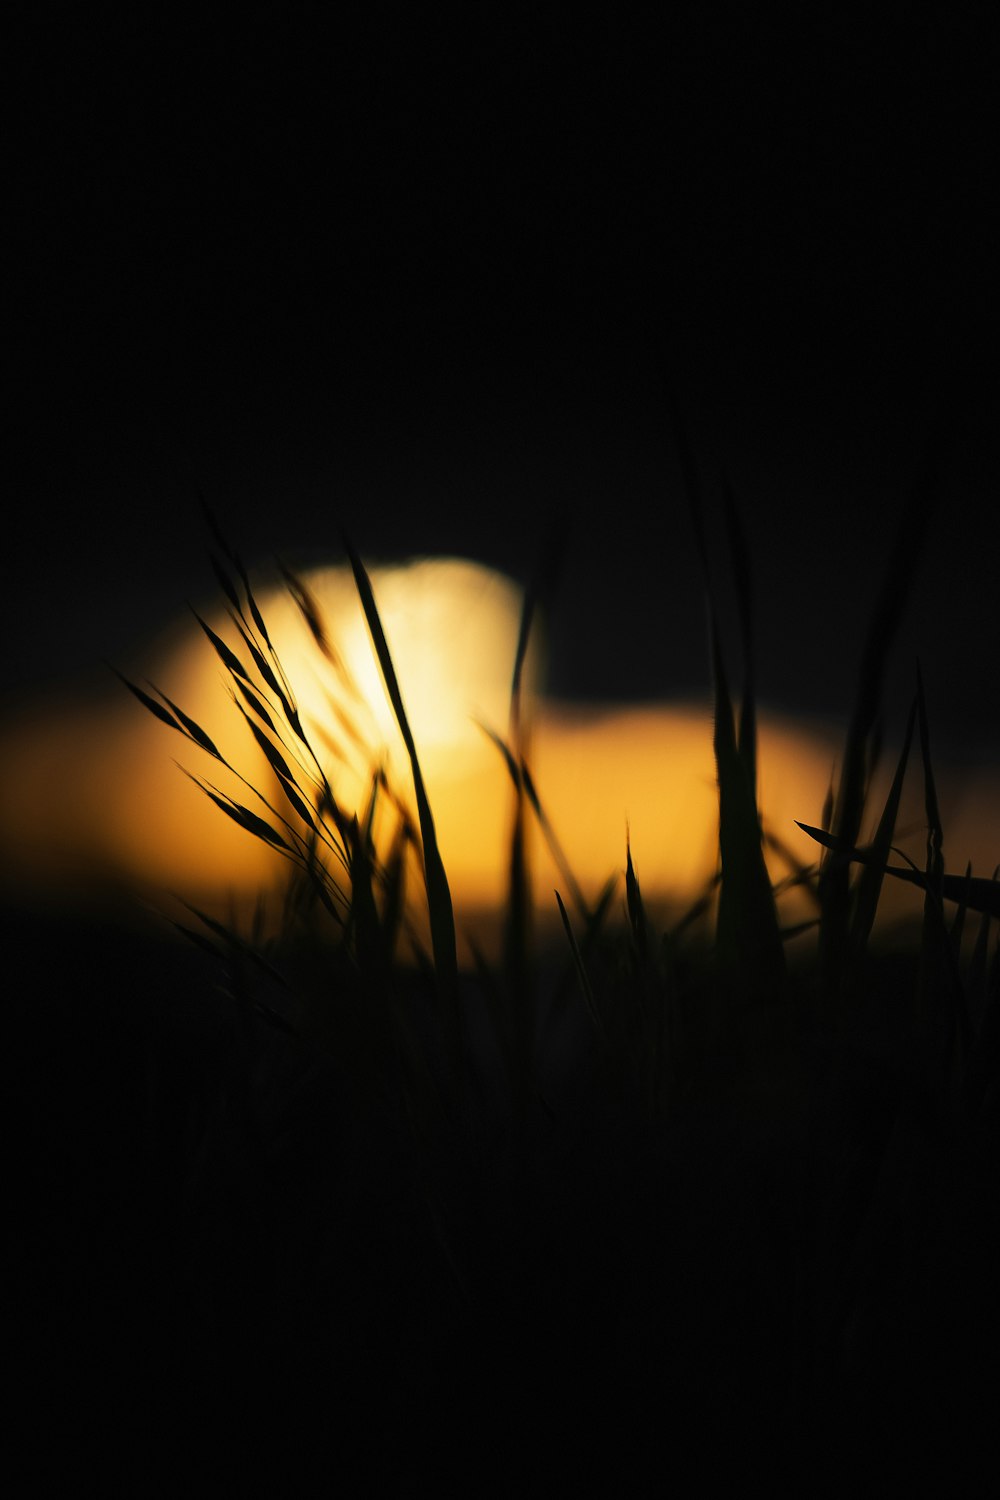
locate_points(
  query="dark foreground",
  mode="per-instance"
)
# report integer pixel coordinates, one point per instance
(238, 1258)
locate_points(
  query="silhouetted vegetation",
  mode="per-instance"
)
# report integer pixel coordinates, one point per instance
(722, 1195)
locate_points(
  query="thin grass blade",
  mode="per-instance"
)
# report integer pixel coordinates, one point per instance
(979, 894)
(224, 581)
(227, 656)
(633, 902)
(259, 827)
(270, 752)
(251, 697)
(747, 935)
(882, 630)
(740, 557)
(870, 884)
(194, 730)
(581, 969)
(441, 911)
(555, 847)
(156, 709)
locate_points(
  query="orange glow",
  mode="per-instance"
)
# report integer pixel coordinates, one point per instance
(91, 800)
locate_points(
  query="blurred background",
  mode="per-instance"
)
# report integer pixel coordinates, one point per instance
(432, 280)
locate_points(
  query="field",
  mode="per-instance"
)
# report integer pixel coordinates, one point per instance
(619, 1200)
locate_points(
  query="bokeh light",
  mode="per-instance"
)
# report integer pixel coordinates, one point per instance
(92, 801)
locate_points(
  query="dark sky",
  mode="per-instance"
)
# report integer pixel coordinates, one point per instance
(431, 281)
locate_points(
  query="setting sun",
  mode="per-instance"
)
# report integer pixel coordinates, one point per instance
(93, 801)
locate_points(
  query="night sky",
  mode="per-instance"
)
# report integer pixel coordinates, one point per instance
(432, 280)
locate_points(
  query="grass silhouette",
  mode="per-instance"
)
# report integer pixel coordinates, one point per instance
(702, 1199)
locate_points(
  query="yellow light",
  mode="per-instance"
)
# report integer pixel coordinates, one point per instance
(90, 797)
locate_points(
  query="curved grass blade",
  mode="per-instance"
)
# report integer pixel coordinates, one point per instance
(555, 847)
(198, 939)
(264, 668)
(748, 938)
(800, 875)
(156, 709)
(363, 919)
(518, 918)
(747, 935)
(505, 751)
(298, 803)
(394, 888)
(173, 717)
(441, 911)
(270, 752)
(581, 969)
(255, 703)
(233, 940)
(517, 934)
(259, 827)
(870, 885)
(216, 530)
(979, 894)
(826, 814)
(538, 595)
(194, 730)
(740, 556)
(798, 928)
(309, 609)
(233, 557)
(224, 581)
(882, 630)
(228, 657)
(602, 906)
(256, 615)
(633, 903)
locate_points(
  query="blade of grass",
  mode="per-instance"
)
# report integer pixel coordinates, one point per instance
(941, 1000)
(517, 933)
(156, 709)
(555, 847)
(224, 581)
(441, 912)
(882, 630)
(870, 884)
(800, 875)
(228, 657)
(744, 598)
(267, 672)
(747, 934)
(252, 698)
(633, 901)
(979, 894)
(581, 969)
(537, 596)
(364, 925)
(259, 827)
(394, 888)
